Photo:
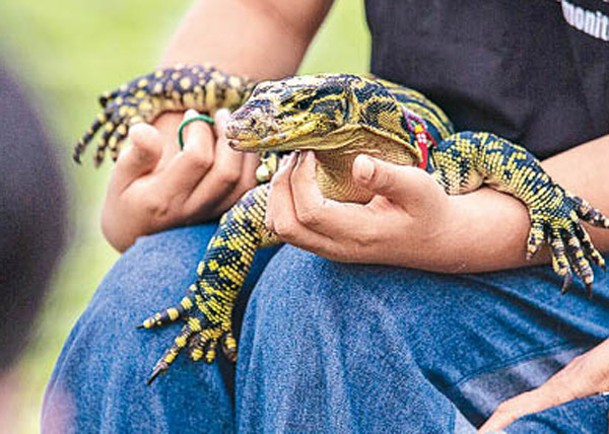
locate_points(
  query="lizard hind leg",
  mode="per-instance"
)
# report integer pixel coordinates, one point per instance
(558, 217)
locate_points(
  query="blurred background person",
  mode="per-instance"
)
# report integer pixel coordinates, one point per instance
(32, 229)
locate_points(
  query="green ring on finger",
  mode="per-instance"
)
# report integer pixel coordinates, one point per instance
(185, 122)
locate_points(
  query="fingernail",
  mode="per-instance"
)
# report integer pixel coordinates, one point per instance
(301, 157)
(190, 113)
(309, 155)
(364, 167)
(285, 160)
(222, 114)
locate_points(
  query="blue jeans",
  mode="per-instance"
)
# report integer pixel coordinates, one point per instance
(327, 347)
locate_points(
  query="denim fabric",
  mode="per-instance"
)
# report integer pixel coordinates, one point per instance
(328, 347)
(99, 381)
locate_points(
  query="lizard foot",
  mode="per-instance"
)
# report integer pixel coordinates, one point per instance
(557, 221)
(200, 334)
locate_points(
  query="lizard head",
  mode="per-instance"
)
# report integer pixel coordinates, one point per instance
(316, 112)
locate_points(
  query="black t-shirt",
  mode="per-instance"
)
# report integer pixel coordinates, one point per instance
(533, 71)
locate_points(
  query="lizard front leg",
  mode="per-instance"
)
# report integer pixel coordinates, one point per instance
(207, 306)
(465, 160)
(200, 87)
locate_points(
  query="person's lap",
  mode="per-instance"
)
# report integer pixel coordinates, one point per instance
(370, 348)
(99, 381)
(329, 347)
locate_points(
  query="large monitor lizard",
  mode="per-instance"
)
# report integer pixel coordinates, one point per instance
(338, 116)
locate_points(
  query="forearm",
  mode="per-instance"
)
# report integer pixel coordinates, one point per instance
(490, 229)
(259, 39)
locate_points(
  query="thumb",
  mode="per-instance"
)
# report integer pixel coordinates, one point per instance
(140, 158)
(407, 186)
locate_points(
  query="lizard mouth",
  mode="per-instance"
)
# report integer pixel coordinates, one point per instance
(249, 140)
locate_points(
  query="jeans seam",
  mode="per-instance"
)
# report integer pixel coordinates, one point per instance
(514, 361)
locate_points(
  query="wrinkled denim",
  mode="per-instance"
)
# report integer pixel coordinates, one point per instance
(327, 347)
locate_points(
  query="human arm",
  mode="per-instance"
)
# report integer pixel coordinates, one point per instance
(258, 39)
(412, 223)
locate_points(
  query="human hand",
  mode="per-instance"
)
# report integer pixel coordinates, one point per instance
(155, 186)
(404, 224)
(586, 375)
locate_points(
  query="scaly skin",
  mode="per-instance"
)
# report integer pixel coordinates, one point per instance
(338, 116)
(202, 88)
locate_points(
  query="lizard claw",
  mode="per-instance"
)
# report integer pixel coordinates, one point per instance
(156, 372)
(566, 284)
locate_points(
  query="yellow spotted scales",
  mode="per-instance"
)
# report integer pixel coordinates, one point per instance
(338, 116)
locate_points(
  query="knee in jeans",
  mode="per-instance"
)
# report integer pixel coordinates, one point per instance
(296, 285)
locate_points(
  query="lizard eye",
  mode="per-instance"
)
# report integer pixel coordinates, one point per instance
(304, 104)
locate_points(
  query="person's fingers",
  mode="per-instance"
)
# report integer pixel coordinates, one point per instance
(138, 159)
(279, 191)
(409, 187)
(526, 403)
(584, 376)
(229, 163)
(251, 161)
(317, 213)
(281, 215)
(198, 136)
(186, 170)
(226, 171)
(246, 182)
(167, 124)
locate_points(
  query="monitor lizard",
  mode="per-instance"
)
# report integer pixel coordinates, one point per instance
(338, 116)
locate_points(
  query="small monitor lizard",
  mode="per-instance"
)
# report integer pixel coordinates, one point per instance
(338, 116)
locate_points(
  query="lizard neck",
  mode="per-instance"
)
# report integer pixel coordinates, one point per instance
(334, 166)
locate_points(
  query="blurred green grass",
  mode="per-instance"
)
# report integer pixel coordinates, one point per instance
(66, 52)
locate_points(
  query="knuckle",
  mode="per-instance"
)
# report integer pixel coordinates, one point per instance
(365, 236)
(157, 208)
(284, 228)
(229, 176)
(277, 181)
(309, 216)
(199, 160)
(345, 252)
(335, 255)
(342, 255)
